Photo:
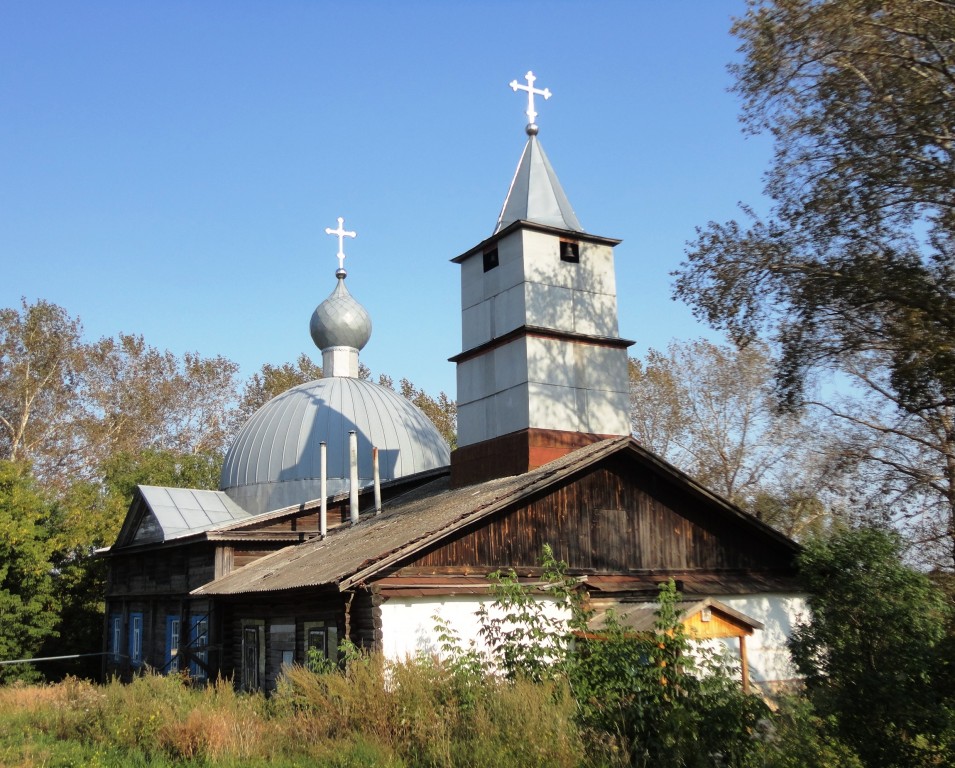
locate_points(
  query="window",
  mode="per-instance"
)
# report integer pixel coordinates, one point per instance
(199, 641)
(251, 645)
(115, 639)
(172, 643)
(321, 643)
(570, 251)
(136, 639)
(490, 259)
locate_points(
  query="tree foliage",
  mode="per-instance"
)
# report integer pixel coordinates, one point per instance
(709, 409)
(854, 268)
(143, 399)
(441, 410)
(873, 650)
(645, 699)
(28, 604)
(41, 363)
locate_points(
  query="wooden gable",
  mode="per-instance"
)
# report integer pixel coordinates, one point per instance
(617, 516)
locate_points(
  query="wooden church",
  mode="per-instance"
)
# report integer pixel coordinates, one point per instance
(341, 513)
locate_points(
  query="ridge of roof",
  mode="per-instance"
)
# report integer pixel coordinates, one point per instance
(350, 555)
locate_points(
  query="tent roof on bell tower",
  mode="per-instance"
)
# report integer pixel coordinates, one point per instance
(535, 194)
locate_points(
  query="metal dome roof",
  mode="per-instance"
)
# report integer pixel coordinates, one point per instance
(275, 460)
(340, 321)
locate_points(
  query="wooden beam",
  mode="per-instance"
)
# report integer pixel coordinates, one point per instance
(744, 663)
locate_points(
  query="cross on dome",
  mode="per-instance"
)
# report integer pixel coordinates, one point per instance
(531, 90)
(341, 233)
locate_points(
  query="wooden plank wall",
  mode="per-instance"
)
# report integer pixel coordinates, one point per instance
(170, 570)
(615, 519)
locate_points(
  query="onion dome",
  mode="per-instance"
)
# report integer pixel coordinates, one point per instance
(340, 321)
(275, 461)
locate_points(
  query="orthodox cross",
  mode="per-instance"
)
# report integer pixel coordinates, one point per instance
(342, 234)
(531, 90)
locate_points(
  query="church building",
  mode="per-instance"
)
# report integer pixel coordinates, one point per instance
(342, 514)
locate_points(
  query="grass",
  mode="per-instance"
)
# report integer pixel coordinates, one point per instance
(394, 716)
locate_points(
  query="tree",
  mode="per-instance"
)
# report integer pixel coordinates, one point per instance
(28, 604)
(872, 650)
(854, 268)
(442, 410)
(272, 381)
(138, 398)
(709, 409)
(41, 363)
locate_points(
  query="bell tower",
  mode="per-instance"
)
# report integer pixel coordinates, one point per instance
(543, 369)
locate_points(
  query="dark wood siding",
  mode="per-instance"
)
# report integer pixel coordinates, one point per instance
(275, 610)
(615, 519)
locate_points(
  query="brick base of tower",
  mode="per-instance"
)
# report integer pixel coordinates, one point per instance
(514, 454)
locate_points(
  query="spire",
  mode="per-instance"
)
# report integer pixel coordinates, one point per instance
(340, 326)
(535, 193)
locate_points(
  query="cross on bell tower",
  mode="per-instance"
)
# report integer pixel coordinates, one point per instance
(531, 90)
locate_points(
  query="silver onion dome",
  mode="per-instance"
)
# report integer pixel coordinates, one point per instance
(340, 321)
(275, 461)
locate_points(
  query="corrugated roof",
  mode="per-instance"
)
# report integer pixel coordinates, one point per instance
(414, 521)
(423, 517)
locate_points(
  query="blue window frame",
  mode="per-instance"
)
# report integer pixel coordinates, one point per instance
(172, 643)
(136, 639)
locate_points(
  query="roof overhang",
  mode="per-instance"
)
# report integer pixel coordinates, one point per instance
(535, 227)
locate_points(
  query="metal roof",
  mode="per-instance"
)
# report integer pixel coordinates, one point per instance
(414, 521)
(175, 512)
(536, 194)
(275, 460)
(340, 321)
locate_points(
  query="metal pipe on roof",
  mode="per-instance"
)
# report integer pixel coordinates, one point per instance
(323, 515)
(374, 463)
(353, 476)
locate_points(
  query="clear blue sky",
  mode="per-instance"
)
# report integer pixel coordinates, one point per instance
(169, 168)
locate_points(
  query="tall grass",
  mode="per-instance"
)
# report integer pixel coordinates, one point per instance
(417, 713)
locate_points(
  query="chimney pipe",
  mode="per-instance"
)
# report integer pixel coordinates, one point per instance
(374, 462)
(353, 479)
(323, 515)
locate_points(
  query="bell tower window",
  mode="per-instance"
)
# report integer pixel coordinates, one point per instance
(570, 251)
(490, 259)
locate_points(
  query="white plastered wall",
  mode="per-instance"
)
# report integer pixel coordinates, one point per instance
(768, 655)
(409, 629)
